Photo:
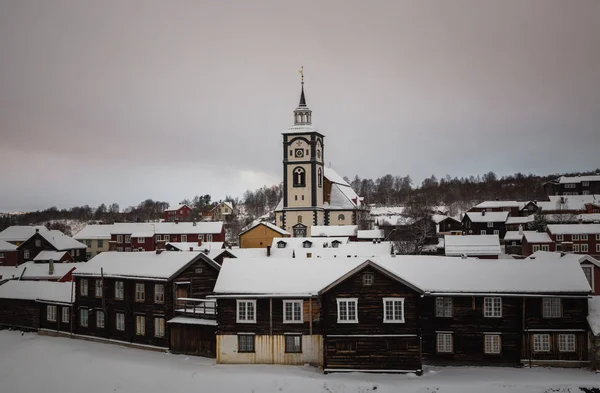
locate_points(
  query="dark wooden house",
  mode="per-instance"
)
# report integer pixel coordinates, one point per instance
(131, 297)
(52, 240)
(485, 223)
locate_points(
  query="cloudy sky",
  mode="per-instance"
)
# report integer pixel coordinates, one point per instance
(117, 101)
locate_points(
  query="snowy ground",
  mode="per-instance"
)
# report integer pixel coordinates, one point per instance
(31, 363)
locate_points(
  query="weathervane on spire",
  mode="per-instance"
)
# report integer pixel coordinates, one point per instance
(301, 71)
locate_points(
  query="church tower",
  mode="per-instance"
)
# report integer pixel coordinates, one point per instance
(303, 173)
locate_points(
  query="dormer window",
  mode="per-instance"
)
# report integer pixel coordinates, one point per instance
(335, 244)
(281, 244)
(307, 244)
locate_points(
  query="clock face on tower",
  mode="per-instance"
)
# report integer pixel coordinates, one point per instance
(299, 153)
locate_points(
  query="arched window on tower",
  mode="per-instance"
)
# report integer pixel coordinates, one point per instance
(299, 177)
(304, 118)
(341, 217)
(320, 178)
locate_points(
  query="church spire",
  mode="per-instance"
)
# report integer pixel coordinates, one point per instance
(302, 115)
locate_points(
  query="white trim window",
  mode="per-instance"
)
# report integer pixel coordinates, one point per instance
(575, 247)
(246, 311)
(158, 238)
(26, 254)
(496, 232)
(66, 315)
(492, 307)
(490, 224)
(589, 274)
(120, 321)
(83, 287)
(575, 237)
(551, 307)
(140, 292)
(444, 343)
(347, 310)
(140, 325)
(597, 247)
(292, 311)
(584, 248)
(492, 344)
(570, 185)
(483, 232)
(184, 238)
(159, 327)
(119, 238)
(560, 238)
(545, 247)
(585, 183)
(393, 310)
(159, 293)
(584, 236)
(566, 342)
(83, 317)
(598, 237)
(127, 238)
(51, 313)
(367, 278)
(100, 319)
(245, 343)
(127, 249)
(444, 307)
(541, 343)
(209, 237)
(98, 287)
(119, 290)
(166, 238)
(141, 240)
(535, 247)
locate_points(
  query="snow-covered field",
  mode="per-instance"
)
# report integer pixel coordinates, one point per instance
(31, 363)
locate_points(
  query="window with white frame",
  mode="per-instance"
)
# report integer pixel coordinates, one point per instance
(119, 249)
(141, 240)
(393, 310)
(140, 292)
(166, 238)
(245, 343)
(159, 293)
(119, 238)
(159, 327)
(545, 247)
(541, 343)
(490, 224)
(26, 253)
(51, 313)
(483, 232)
(598, 237)
(293, 343)
(66, 315)
(140, 325)
(127, 238)
(83, 287)
(535, 247)
(584, 236)
(100, 319)
(583, 248)
(492, 307)
(2, 255)
(127, 249)
(575, 237)
(184, 238)
(492, 344)
(585, 184)
(100, 243)
(83, 317)
(551, 307)
(589, 275)
(570, 185)
(597, 247)
(347, 309)
(443, 307)
(367, 279)
(246, 311)
(566, 343)
(38, 242)
(98, 288)
(496, 232)
(444, 343)
(120, 321)
(559, 238)
(575, 247)
(209, 237)
(292, 311)
(157, 238)
(119, 290)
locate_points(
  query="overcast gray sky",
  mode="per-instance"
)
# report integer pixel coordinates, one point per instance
(117, 101)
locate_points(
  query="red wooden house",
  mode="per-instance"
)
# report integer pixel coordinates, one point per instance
(8, 254)
(178, 213)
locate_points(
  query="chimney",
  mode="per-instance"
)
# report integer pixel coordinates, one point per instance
(50, 267)
(520, 229)
(159, 251)
(483, 212)
(191, 248)
(194, 223)
(37, 230)
(268, 251)
(580, 219)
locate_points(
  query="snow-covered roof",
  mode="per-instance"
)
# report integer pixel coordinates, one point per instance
(333, 177)
(371, 234)
(594, 314)
(578, 179)
(394, 220)
(520, 220)
(206, 246)
(317, 251)
(488, 216)
(41, 271)
(573, 229)
(37, 290)
(472, 245)
(428, 274)
(20, 233)
(301, 129)
(193, 321)
(144, 229)
(148, 264)
(500, 204)
(537, 237)
(279, 206)
(177, 207)
(579, 258)
(60, 241)
(342, 197)
(568, 202)
(47, 255)
(334, 230)
(513, 236)
(6, 246)
(437, 218)
(90, 232)
(273, 227)
(387, 210)
(298, 242)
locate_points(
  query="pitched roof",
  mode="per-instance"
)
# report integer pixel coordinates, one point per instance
(537, 237)
(20, 233)
(177, 207)
(500, 204)
(487, 217)
(37, 290)
(41, 271)
(472, 245)
(333, 177)
(144, 229)
(520, 220)
(60, 241)
(149, 264)
(273, 227)
(6, 246)
(371, 234)
(298, 242)
(594, 314)
(90, 232)
(333, 230)
(568, 202)
(513, 236)
(580, 258)
(573, 229)
(578, 179)
(47, 255)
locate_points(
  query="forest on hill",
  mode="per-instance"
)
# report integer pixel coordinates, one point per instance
(458, 194)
